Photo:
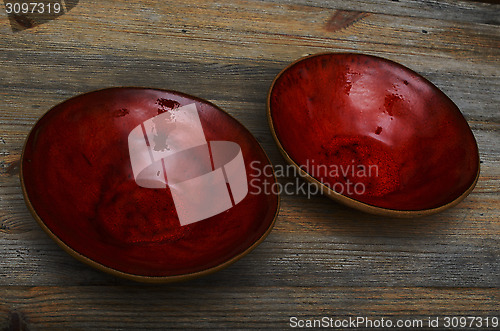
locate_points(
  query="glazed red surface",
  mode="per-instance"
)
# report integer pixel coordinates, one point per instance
(78, 176)
(339, 111)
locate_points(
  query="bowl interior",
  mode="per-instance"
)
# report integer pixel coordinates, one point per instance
(374, 131)
(78, 179)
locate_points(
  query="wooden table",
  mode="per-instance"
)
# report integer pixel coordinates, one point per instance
(321, 259)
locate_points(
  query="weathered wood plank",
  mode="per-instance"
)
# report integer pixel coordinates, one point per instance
(240, 29)
(462, 11)
(175, 307)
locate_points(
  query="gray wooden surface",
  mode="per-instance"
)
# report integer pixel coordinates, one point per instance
(322, 259)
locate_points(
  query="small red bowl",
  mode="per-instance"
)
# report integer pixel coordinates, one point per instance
(79, 183)
(373, 134)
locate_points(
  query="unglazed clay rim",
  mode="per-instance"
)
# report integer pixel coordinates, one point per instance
(350, 202)
(130, 276)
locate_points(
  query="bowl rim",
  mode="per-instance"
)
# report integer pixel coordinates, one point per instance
(348, 201)
(130, 276)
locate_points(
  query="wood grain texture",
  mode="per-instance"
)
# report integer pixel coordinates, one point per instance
(322, 259)
(252, 307)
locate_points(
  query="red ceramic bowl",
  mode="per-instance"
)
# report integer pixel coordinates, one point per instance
(79, 183)
(373, 134)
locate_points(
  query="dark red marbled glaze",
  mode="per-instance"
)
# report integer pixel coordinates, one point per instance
(78, 177)
(342, 109)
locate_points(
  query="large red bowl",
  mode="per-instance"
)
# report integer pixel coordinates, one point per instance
(373, 134)
(78, 182)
